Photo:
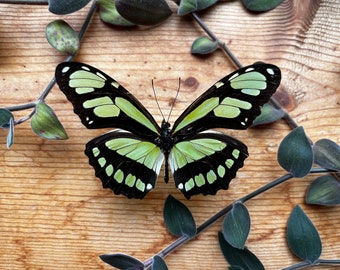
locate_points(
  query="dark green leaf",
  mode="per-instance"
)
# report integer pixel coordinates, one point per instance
(45, 123)
(144, 12)
(269, 114)
(188, 6)
(122, 261)
(5, 117)
(295, 153)
(158, 264)
(243, 258)
(302, 236)
(10, 135)
(325, 190)
(236, 226)
(62, 7)
(7, 121)
(327, 154)
(233, 267)
(261, 5)
(178, 218)
(109, 14)
(62, 37)
(203, 45)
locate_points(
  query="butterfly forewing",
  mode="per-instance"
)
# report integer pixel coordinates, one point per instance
(206, 162)
(102, 102)
(125, 163)
(233, 102)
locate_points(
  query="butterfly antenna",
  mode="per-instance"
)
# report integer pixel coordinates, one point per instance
(173, 102)
(154, 93)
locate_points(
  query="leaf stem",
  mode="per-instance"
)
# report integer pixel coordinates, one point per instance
(49, 87)
(183, 239)
(289, 120)
(305, 264)
(329, 262)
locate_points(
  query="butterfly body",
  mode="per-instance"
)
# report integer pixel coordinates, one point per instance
(128, 159)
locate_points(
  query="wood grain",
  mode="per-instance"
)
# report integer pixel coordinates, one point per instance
(54, 213)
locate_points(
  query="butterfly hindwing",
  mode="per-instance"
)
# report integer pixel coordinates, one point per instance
(233, 102)
(125, 163)
(206, 162)
(102, 102)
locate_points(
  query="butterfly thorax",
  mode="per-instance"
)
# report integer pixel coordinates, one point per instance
(165, 141)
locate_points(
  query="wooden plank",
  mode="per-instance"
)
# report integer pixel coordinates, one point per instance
(54, 212)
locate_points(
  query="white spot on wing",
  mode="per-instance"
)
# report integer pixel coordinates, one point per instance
(234, 76)
(249, 69)
(85, 68)
(270, 71)
(101, 75)
(65, 69)
(115, 84)
(219, 84)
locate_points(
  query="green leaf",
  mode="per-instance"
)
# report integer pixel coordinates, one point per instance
(5, 117)
(233, 267)
(236, 226)
(62, 7)
(242, 258)
(295, 153)
(203, 45)
(109, 14)
(261, 5)
(62, 37)
(158, 264)
(45, 123)
(324, 190)
(10, 135)
(302, 236)
(7, 122)
(144, 12)
(188, 6)
(327, 154)
(122, 261)
(178, 218)
(269, 114)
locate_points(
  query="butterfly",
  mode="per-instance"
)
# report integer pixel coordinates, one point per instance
(129, 158)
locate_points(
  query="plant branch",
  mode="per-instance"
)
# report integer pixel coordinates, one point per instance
(305, 264)
(289, 120)
(49, 87)
(183, 239)
(328, 262)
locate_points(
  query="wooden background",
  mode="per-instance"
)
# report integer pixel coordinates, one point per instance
(54, 214)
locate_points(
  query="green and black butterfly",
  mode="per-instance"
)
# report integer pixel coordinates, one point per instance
(128, 159)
